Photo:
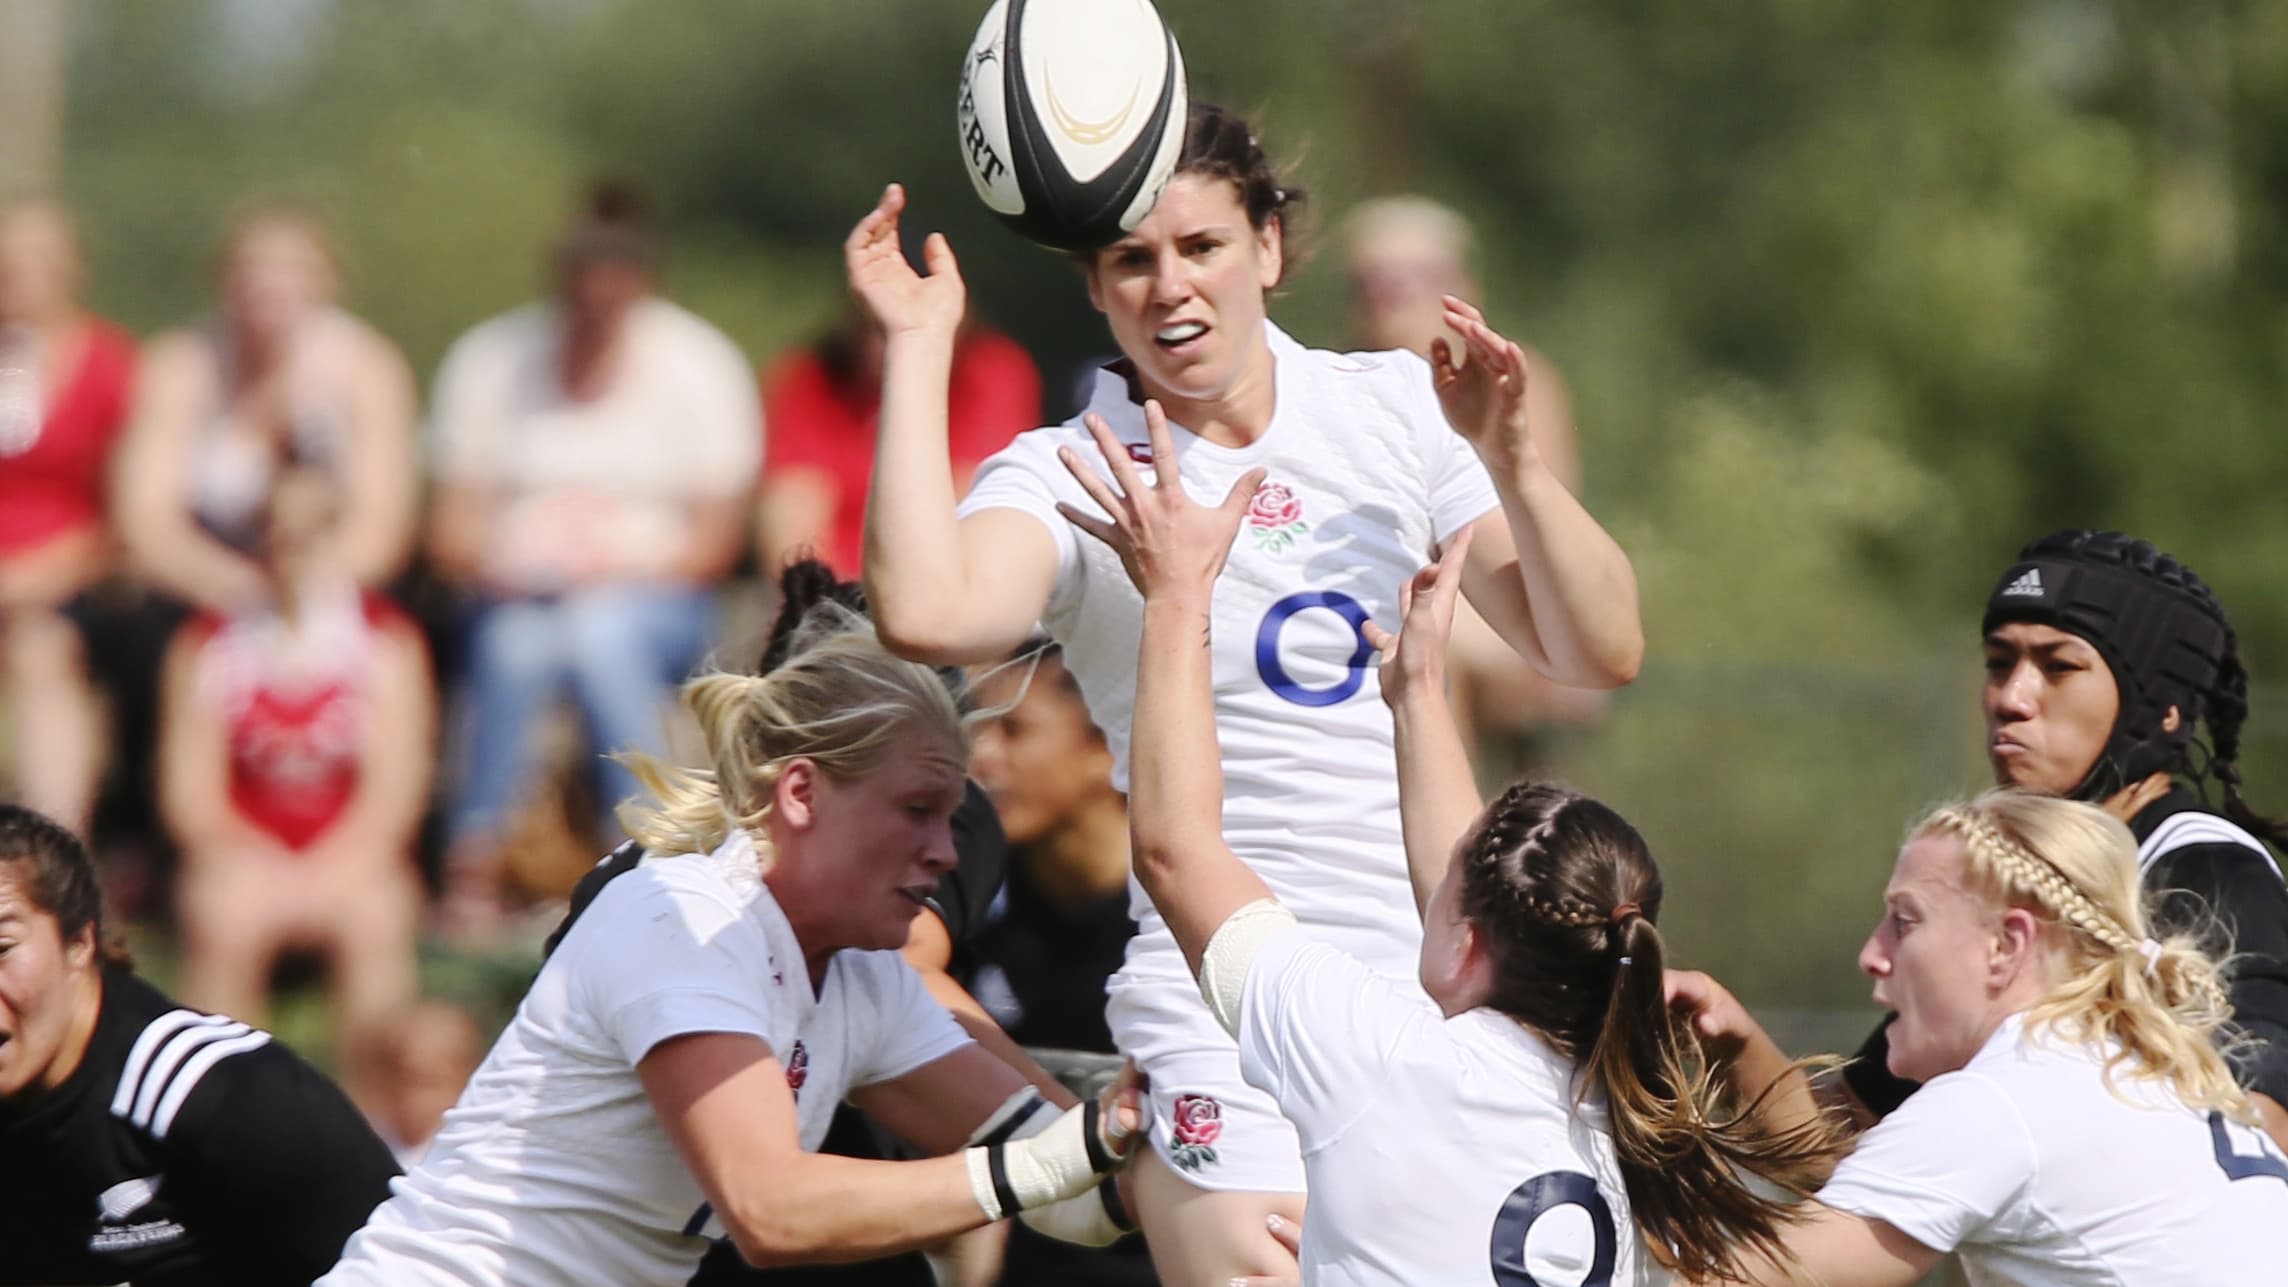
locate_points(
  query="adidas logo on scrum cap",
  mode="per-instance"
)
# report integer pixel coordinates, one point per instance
(2027, 586)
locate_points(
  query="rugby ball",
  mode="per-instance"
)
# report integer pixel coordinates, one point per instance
(1072, 116)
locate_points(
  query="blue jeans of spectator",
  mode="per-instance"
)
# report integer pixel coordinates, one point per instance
(619, 649)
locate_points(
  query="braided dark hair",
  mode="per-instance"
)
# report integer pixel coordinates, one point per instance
(805, 585)
(2223, 706)
(1566, 895)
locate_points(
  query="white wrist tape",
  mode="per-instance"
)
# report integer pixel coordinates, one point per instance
(1231, 950)
(1096, 1218)
(1023, 1113)
(1060, 1162)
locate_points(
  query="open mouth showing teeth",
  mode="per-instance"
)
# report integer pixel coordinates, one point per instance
(1181, 333)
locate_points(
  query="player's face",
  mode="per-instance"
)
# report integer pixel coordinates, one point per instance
(2050, 705)
(873, 849)
(37, 996)
(1454, 969)
(1042, 761)
(1184, 292)
(1930, 956)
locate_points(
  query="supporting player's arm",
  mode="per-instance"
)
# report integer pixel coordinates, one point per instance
(1437, 787)
(1831, 1248)
(1174, 549)
(941, 590)
(724, 1102)
(1545, 574)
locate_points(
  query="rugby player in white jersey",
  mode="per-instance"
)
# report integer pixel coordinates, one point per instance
(1373, 462)
(1518, 1108)
(2076, 1124)
(677, 1062)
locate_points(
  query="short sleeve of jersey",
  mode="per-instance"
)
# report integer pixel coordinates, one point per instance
(1461, 491)
(1316, 1028)
(2230, 895)
(653, 960)
(911, 1028)
(1023, 476)
(262, 1134)
(1946, 1165)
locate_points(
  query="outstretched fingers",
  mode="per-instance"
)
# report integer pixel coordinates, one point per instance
(1115, 453)
(1164, 467)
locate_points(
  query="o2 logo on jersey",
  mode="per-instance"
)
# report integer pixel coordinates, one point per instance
(1274, 671)
(1527, 1204)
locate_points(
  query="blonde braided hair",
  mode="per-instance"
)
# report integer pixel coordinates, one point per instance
(2161, 1003)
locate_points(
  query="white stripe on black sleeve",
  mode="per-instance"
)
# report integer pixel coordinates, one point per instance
(147, 1044)
(212, 1053)
(180, 1047)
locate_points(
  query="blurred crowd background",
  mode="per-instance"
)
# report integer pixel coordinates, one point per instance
(306, 621)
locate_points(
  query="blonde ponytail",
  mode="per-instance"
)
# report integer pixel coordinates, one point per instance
(2162, 1003)
(840, 700)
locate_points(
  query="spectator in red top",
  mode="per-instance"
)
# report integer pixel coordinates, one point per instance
(65, 381)
(821, 403)
(296, 740)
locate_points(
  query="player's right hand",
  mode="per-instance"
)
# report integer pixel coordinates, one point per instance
(1710, 1012)
(1170, 544)
(900, 300)
(1414, 659)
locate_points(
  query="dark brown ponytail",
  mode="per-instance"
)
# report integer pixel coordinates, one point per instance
(1567, 896)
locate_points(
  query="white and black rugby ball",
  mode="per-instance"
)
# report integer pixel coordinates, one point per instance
(1072, 116)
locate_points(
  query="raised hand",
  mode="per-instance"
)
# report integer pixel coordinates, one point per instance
(900, 300)
(1414, 659)
(1168, 543)
(1482, 388)
(1709, 1011)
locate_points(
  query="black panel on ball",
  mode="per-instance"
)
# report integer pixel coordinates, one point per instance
(1062, 212)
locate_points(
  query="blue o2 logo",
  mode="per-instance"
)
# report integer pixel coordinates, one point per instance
(1275, 676)
(1537, 1197)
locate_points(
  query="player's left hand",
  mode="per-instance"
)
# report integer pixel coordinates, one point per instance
(1169, 543)
(1482, 388)
(1709, 1011)
(1414, 659)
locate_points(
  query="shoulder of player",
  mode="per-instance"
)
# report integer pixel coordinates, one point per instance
(2191, 835)
(181, 1061)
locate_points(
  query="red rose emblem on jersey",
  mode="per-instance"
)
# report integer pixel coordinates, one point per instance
(797, 1067)
(1198, 1124)
(1276, 517)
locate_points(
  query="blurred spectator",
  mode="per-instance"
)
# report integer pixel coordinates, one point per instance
(64, 386)
(1403, 255)
(594, 457)
(1061, 924)
(297, 738)
(822, 402)
(411, 1067)
(280, 371)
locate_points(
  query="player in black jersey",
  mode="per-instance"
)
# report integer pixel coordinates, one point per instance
(142, 1142)
(2105, 660)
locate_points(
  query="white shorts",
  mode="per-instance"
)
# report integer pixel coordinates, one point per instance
(1211, 1127)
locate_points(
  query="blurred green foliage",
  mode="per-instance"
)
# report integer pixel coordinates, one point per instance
(1854, 297)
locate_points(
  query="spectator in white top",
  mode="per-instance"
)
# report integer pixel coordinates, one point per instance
(674, 1067)
(593, 457)
(2077, 1124)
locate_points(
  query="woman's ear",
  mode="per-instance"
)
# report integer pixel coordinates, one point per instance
(2017, 947)
(1271, 251)
(794, 798)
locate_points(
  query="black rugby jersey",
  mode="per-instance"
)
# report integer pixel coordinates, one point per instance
(186, 1150)
(2197, 871)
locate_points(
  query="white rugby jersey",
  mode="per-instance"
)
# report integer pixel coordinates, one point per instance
(1447, 1151)
(2040, 1175)
(1365, 479)
(552, 1168)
